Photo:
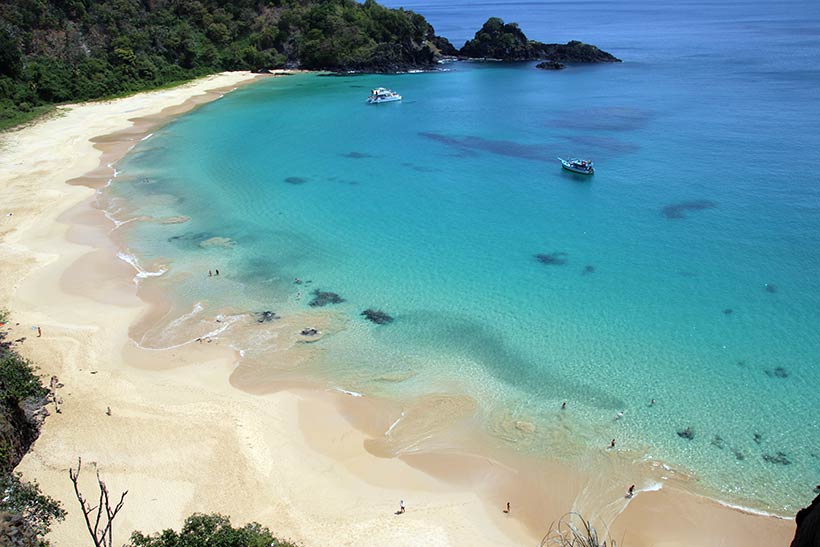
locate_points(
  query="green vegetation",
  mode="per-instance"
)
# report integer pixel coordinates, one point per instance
(507, 42)
(573, 530)
(210, 531)
(497, 40)
(25, 513)
(54, 51)
(25, 499)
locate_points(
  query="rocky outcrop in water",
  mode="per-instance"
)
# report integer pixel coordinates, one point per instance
(551, 65)
(507, 42)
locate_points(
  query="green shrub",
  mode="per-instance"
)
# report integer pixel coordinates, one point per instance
(210, 531)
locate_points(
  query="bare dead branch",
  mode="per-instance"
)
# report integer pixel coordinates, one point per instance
(103, 514)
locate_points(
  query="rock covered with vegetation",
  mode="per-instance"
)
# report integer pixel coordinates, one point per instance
(507, 42)
(25, 513)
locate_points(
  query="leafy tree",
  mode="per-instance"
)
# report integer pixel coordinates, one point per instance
(26, 499)
(212, 530)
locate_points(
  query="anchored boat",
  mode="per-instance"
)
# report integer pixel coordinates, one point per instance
(382, 95)
(582, 167)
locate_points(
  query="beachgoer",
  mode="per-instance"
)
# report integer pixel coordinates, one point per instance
(217, 272)
(299, 295)
(401, 506)
(39, 332)
(508, 508)
(619, 415)
(652, 402)
(564, 405)
(210, 273)
(612, 444)
(108, 411)
(631, 491)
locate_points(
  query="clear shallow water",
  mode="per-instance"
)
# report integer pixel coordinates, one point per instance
(433, 210)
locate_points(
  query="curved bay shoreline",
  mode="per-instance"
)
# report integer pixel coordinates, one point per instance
(182, 439)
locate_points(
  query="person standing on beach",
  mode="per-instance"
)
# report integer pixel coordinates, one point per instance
(631, 491)
(210, 273)
(507, 510)
(612, 444)
(39, 332)
(401, 506)
(217, 272)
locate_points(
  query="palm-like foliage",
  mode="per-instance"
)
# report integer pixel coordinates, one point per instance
(573, 530)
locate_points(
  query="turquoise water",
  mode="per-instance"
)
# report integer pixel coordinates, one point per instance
(686, 268)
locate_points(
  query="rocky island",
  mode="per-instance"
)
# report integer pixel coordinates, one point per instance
(507, 42)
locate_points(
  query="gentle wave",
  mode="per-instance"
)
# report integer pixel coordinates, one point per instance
(351, 393)
(141, 273)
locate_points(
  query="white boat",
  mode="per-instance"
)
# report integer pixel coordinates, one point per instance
(382, 95)
(582, 167)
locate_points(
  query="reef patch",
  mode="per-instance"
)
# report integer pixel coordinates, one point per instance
(680, 210)
(324, 298)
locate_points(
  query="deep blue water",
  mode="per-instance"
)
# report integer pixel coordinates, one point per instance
(687, 270)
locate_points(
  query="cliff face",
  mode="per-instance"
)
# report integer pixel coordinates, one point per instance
(808, 526)
(19, 428)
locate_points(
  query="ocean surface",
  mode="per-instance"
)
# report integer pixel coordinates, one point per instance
(685, 271)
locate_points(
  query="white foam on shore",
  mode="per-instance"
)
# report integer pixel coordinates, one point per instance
(394, 424)
(196, 310)
(146, 137)
(346, 392)
(141, 273)
(654, 487)
(749, 510)
(225, 322)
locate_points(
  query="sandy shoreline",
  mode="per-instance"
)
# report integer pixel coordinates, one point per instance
(182, 439)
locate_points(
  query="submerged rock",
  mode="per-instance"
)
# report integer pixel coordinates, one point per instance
(589, 269)
(377, 316)
(779, 458)
(688, 433)
(324, 298)
(552, 259)
(728, 311)
(679, 210)
(778, 372)
(770, 287)
(296, 180)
